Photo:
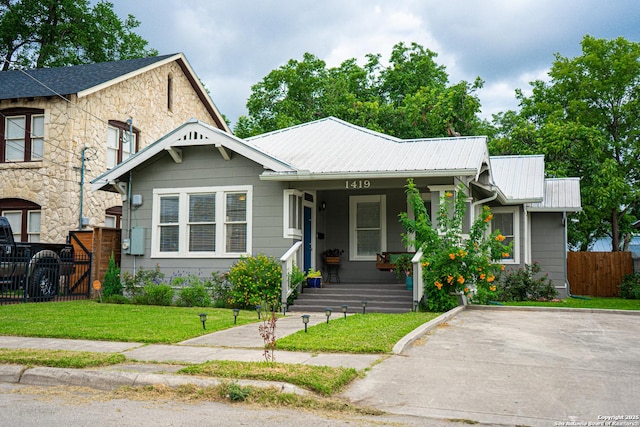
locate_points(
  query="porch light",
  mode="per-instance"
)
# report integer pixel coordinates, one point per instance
(327, 312)
(203, 319)
(344, 310)
(305, 320)
(364, 307)
(236, 311)
(259, 310)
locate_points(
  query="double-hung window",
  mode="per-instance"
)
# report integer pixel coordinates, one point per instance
(122, 142)
(25, 224)
(506, 221)
(293, 214)
(202, 222)
(367, 227)
(22, 135)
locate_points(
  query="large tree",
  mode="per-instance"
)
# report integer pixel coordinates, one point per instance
(586, 121)
(47, 33)
(410, 97)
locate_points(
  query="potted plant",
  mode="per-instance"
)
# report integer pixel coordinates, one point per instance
(314, 278)
(332, 256)
(404, 270)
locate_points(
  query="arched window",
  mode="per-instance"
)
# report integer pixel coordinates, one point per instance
(121, 143)
(24, 217)
(21, 135)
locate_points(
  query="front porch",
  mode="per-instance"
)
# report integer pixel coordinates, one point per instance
(380, 298)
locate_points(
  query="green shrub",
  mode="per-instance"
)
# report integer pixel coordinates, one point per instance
(134, 284)
(255, 281)
(116, 299)
(194, 296)
(523, 285)
(220, 290)
(153, 294)
(630, 287)
(111, 282)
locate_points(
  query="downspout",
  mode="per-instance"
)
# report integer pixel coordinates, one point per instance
(130, 123)
(483, 201)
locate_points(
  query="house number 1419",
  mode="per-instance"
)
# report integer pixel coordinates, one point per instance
(355, 184)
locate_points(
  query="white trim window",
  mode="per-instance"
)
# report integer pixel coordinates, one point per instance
(293, 214)
(203, 222)
(367, 227)
(507, 221)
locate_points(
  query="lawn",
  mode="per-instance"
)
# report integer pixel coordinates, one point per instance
(359, 333)
(115, 322)
(586, 302)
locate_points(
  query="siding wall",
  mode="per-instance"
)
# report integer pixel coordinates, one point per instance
(202, 167)
(548, 246)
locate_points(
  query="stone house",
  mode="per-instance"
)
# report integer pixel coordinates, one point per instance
(62, 127)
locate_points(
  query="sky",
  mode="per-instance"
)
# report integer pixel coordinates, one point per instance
(232, 45)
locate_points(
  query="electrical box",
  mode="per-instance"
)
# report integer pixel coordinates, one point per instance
(137, 241)
(136, 200)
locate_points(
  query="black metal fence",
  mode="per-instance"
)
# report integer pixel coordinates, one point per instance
(27, 278)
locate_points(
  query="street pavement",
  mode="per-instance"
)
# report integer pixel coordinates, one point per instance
(494, 365)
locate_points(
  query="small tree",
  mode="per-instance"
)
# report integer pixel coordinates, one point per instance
(112, 284)
(255, 280)
(453, 263)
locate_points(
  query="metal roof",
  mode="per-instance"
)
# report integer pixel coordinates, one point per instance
(560, 194)
(67, 80)
(331, 147)
(519, 178)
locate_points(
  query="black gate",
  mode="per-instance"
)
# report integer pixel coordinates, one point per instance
(28, 278)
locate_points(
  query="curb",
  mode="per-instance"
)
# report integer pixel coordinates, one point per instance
(425, 328)
(44, 376)
(557, 309)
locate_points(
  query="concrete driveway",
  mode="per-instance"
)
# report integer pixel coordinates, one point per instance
(518, 367)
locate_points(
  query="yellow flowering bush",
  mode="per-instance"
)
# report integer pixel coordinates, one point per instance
(452, 263)
(255, 280)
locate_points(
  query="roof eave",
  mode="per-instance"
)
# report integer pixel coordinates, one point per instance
(309, 176)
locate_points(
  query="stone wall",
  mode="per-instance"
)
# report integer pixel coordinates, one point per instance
(54, 183)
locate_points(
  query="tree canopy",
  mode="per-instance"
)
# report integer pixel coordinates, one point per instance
(586, 121)
(408, 98)
(50, 33)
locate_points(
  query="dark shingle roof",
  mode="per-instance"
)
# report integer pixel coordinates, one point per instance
(67, 80)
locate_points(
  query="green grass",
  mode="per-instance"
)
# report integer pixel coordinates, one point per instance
(114, 322)
(368, 333)
(58, 358)
(321, 379)
(586, 302)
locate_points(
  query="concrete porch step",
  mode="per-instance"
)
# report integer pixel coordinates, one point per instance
(380, 298)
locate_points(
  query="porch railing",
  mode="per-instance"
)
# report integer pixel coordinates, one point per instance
(418, 288)
(287, 261)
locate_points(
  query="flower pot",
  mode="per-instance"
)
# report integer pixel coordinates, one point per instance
(314, 282)
(409, 283)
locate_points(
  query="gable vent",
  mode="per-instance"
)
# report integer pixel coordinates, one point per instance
(191, 136)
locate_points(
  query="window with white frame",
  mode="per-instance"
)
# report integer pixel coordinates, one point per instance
(202, 222)
(506, 221)
(293, 214)
(367, 227)
(122, 142)
(22, 135)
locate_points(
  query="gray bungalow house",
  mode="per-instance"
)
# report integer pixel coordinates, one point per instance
(199, 198)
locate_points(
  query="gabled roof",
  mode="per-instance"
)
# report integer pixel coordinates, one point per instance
(191, 133)
(85, 79)
(560, 195)
(331, 148)
(519, 178)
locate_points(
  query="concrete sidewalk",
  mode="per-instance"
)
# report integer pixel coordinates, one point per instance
(242, 343)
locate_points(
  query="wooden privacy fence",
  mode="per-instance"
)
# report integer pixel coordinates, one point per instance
(597, 274)
(101, 242)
